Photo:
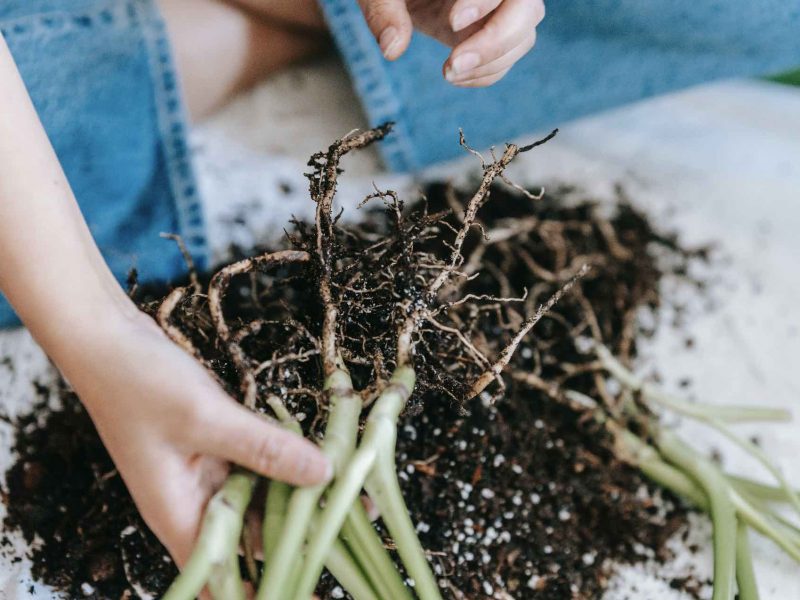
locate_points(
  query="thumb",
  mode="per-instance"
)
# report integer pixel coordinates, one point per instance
(390, 23)
(249, 440)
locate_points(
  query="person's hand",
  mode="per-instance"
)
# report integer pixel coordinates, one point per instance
(487, 36)
(172, 431)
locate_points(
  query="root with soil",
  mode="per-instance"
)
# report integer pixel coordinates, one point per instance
(411, 310)
(422, 312)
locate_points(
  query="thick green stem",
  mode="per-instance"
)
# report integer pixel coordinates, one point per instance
(761, 456)
(649, 461)
(368, 550)
(762, 523)
(219, 536)
(384, 489)
(225, 580)
(340, 437)
(278, 494)
(379, 433)
(350, 576)
(745, 575)
(723, 513)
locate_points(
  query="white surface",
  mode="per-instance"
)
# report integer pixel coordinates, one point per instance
(719, 163)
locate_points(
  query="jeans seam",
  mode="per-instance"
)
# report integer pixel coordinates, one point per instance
(367, 69)
(57, 22)
(174, 141)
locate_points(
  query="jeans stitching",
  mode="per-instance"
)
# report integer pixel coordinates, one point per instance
(172, 122)
(368, 71)
(57, 22)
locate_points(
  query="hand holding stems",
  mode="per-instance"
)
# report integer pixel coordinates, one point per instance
(487, 36)
(167, 424)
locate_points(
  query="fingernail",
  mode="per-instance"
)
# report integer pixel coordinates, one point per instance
(388, 41)
(464, 63)
(464, 18)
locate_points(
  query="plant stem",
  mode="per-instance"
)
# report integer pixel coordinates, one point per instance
(745, 575)
(728, 414)
(225, 580)
(757, 453)
(384, 489)
(219, 536)
(346, 571)
(340, 437)
(278, 494)
(764, 525)
(723, 513)
(380, 432)
(649, 461)
(762, 491)
(367, 548)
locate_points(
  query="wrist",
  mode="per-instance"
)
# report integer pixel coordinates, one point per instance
(92, 336)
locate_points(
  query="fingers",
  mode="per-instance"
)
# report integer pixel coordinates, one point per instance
(390, 23)
(494, 70)
(466, 12)
(242, 437)
(507, 35)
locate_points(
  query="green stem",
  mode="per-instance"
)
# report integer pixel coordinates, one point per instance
(384, 489)
(219, 536)
(764, 524)
(379, 432)
(745, 575)
(649, 461)
(340, 437)
(761, 457)
(723, 513)
(368, 549)
(347, 572)
(278, 494)
(762, 491)
(225, 580)
(728, 414)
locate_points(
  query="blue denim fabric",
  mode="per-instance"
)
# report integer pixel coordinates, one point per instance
(590, 55)
(102, 80)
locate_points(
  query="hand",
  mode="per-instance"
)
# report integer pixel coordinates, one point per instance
(172, 431)
(487, 36)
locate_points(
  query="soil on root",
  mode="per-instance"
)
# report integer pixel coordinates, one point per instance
(513, 495)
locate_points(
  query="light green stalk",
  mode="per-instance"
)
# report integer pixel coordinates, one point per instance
(745, 575)
(764, 524)
(761, 456)
(384, 489)
(278, 494)
(340, 437)
(225, 580)
(727, 414)
(721, 508)
(346, 571)
(378, 441)
(218, 539)
(755, 489)
(367, 548)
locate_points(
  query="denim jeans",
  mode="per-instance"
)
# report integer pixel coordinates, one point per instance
(102, 79)
(590, 55)
(103, 82)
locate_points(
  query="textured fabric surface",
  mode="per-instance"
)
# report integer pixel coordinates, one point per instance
(102, 80)
(589, 56)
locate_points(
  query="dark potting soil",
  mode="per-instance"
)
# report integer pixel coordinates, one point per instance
(514, 496)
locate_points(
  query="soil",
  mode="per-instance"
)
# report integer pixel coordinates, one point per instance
(514, 494)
